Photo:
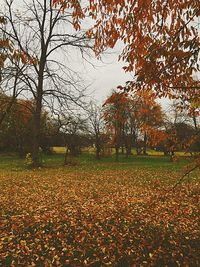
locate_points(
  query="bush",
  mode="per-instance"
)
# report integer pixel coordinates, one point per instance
(28, 160)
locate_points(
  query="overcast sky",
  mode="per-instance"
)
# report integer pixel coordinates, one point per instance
(105, 75)
(101, 75)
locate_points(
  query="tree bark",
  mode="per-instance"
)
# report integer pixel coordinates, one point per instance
(122, 149)
(97, 145)
(145, 144)
(117, 153)
(37, 114)
(36, 134)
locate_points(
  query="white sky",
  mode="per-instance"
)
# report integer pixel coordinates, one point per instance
(101, 75)
(105, 75)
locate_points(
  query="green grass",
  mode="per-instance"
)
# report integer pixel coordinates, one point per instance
(131, 162)
(87, 161)
(154, 160)
(11, 162)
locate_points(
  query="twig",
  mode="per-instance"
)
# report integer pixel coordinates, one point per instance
(197, 165)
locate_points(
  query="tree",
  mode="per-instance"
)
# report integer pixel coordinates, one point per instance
(132, 117)
(10, 71)
(115, 115)
(71, 129)
(182, 132)
(39, 31)
(16, 128)
(5, 46)
(96, 127)
(15, 134)
(149, 117)
(161, 42)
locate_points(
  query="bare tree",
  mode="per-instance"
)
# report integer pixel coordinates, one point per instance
(45, 36)
(11, 85)
(72, 127)
(10, 72)
(96, 126)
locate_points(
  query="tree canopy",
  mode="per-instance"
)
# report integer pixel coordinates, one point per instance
(161, 41)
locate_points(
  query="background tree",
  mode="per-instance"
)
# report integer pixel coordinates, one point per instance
(39, 31)
(182, 132)
(150, 118)
(16, 128)
(115, 115)
(72, 129)
(132, 117)
(10, 71)
(96, 127)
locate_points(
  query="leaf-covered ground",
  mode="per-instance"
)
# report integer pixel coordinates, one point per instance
(98, 218)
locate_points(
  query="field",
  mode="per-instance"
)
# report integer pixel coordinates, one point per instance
(99, 213)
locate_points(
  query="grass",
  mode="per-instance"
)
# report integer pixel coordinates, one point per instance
(87, 161)
(153, 162)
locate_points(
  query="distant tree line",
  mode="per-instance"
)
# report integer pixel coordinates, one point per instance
(124, 122)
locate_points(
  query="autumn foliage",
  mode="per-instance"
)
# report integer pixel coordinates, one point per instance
(161, 41)
(107, 218)
(134, 118)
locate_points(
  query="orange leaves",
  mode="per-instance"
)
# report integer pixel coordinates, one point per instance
(54, 2)
(128, 113)
(142, 25)
(20, 114)
(115, 108)
(24, 58)
(24, 110)
(155, 136)
(77, 12)
(133, 221)
(116, 98)
(160, 39)
(6, 48)
(4, 43)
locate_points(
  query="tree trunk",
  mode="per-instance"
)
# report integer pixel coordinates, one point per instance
(98, 153)
(37, 125)
(195, 121)
(116, 153)
(128, 151)
(122, 149)
(128, 145)
(36, 138)
(38, 110)
(145, 144)
(98, 150)
(66, 156)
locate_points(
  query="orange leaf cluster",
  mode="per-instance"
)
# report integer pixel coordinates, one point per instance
(161, 40)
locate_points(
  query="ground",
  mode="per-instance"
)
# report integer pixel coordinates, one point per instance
(99, 213)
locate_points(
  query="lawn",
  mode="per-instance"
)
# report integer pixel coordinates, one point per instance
(87, 160)
(99, 213)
